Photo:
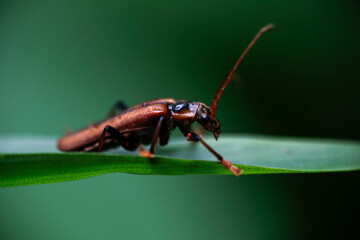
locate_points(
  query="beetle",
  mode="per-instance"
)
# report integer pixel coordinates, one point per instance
(154, 120)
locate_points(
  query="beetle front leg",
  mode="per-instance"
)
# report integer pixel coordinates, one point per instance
(129, 143)
(227, 164)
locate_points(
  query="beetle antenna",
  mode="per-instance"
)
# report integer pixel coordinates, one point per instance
(226, 81)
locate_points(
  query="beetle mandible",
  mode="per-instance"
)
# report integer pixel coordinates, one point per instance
(147, 122)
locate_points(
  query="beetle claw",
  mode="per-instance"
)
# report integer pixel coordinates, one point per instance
(234, 169)
(145, 153)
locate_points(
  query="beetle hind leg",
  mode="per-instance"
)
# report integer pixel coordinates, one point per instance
(118, 107)
(129, 143)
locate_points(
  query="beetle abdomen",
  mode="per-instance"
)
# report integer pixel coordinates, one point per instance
(140, 122)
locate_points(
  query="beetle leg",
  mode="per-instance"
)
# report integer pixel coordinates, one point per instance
(145, 153)
(227, 164)
(156, 135)
(150, 154)
(129, 143)
(118, 107)
(200, 131)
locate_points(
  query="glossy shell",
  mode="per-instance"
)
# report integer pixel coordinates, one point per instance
(140, 120)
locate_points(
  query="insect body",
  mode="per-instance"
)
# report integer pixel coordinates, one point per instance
(154, 120)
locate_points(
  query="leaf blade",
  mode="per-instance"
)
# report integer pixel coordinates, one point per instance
(255, 155)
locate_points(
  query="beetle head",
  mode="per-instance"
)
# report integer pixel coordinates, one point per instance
(203, 116)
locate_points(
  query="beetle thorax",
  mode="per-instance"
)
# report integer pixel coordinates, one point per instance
(188, 112)
(184, 111)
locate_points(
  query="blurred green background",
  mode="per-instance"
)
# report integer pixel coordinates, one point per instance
(63, 64)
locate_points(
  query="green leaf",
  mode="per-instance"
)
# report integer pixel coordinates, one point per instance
(35, 160)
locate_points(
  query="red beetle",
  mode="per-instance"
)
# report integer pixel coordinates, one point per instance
(147, 122)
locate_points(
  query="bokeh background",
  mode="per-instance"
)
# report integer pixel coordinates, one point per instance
(63, 64)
